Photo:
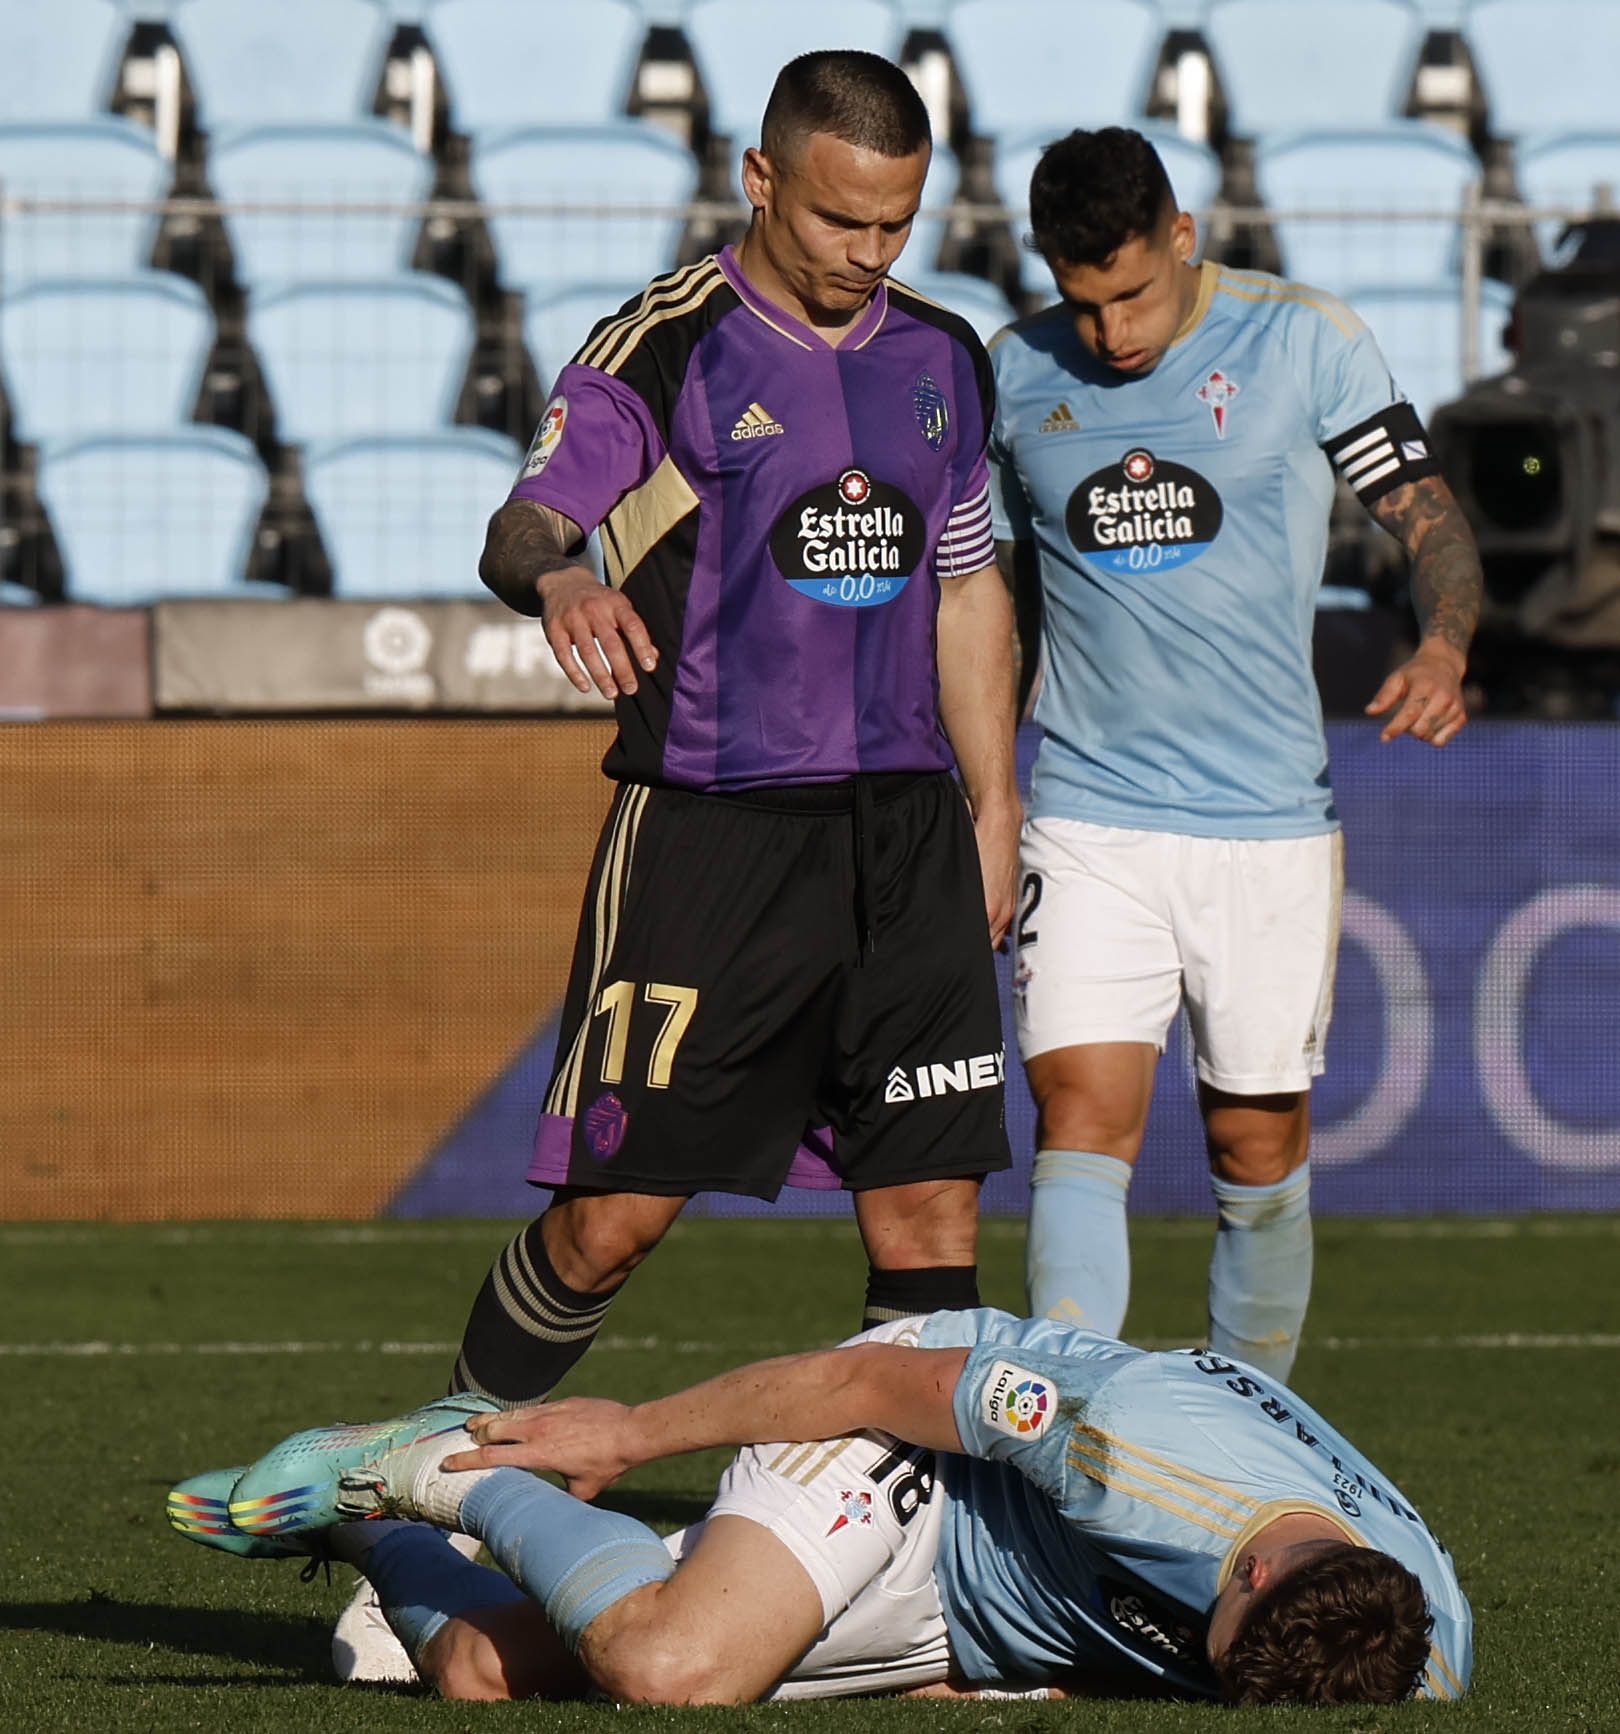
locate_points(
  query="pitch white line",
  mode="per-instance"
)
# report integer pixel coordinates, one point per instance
(1499, 1341)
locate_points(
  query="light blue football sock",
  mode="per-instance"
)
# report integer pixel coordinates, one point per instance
(576, 1560)
(1077, 1259)
(422, 1582)
(1260, 1272)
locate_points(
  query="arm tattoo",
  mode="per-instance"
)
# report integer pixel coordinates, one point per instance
(1424, 517)
(1020, 571)
(526, 540)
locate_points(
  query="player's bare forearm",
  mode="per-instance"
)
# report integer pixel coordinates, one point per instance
(1019, 565)
(976, 704)
(823, 1395)
(1447, 582)
(525, 542)
(1423, 697)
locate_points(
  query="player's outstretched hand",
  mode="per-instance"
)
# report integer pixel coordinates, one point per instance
(582, 1439)
(1423, 698)
(594, 632)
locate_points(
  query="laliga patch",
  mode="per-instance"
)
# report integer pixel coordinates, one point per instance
(851, 543)
(547, 437)
(1143, 515)
(1016, 1402)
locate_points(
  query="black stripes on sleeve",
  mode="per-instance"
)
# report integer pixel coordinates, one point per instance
(1383, 452)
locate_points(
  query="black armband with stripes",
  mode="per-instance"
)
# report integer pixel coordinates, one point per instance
(1385, 451)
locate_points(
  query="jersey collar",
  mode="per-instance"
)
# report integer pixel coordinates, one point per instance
(1269, 1513)
(795, 330)
(1207, 274)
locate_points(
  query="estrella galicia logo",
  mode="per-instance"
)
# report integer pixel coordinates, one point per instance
(933, 415)
(852, 543)
(1153, 1627)
(1143, 514)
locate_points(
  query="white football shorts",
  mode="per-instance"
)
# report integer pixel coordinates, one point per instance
(861, 1516)
(1117, 927)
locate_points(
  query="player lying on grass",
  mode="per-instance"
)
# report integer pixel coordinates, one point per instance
(962, 1502)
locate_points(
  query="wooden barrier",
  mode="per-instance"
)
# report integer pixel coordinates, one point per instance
(259, 968)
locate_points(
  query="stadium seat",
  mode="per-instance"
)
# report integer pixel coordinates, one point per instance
(139, 518)
(362, 163)
(60, 59)
(17, 595)
(555, 326)
(1419, 330)
(367, 357)
(980, 303)
(510, 63)
(1029, 64)
(108, 159)
(293, 60)
(1569, 169)
(103, 355)
(629, 164)
(1406, 166)
(739, 46)
(1333, 63)
(405, 515)
(1193, 168)
(1545, 66)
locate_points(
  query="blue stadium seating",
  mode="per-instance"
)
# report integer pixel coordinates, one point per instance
(1546, 66)
(739, 46)
(17, 595)
(289, 60)
(1030, 64)
(629, 164)
(1333, 63)
(103, 355)
(107, 159)
(405, 515)
(555, 326)
(60, 57)
(510, 63)
(981, 304)
(139, 518)
(351, 358)
(1419, 330)
(1567, 169)
(359, 162)
(1406, 166)
(1193, 168)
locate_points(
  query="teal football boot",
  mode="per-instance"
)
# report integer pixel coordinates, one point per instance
(199, 1508)
(329, 1475)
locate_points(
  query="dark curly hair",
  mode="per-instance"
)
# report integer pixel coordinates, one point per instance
(1349, 1627)
(1094, 191)
(860, 98)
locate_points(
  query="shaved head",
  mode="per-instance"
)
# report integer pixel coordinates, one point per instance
(863, 99)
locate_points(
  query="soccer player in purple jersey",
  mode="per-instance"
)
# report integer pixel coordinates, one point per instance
(784, 971)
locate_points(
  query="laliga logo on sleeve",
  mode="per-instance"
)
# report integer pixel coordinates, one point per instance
(547, 437)
(1016, 1401)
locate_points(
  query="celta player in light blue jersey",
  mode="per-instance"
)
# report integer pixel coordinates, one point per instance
(959, 1504)
(1163, 465)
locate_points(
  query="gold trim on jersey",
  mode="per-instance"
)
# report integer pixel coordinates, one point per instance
(563, 1096)
(673, 297)
(643, 518)
(765, 319)
(1123, 1468)
(1262, 288)
(1442, 1682)
(1207, 274)
(1269, 1513)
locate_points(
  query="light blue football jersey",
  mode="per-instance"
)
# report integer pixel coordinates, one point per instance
(1181, 520)
(1107, 1494)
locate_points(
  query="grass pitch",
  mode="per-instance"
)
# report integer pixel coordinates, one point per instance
(1477, 1362)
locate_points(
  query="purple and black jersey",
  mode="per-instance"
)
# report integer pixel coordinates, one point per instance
(780, 512)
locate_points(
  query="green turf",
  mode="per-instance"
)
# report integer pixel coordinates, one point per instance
(135, 1356)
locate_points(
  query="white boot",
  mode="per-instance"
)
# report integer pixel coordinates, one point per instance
(364, 1648)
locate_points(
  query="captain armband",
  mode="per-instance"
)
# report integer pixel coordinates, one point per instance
(1385, 451)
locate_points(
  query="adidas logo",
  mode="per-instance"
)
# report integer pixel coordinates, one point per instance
(755, 423)
(1060, 420)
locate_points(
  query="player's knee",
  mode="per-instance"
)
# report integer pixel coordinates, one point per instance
(464, 1665)
(593, 1249)
(1081, 1119)
(664, 1668)
(1258, 1155)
